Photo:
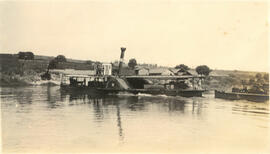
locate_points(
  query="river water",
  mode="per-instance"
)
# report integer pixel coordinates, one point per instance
(42, 119)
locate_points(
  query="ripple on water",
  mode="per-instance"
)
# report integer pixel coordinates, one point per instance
(44, 119)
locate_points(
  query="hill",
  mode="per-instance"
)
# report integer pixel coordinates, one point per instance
(226, 79)
(14, 71)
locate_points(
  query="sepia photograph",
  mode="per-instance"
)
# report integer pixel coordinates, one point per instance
(134, 76)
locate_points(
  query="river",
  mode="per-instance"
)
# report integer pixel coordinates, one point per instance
(42, 119)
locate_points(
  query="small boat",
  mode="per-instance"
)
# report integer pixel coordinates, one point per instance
(254, 97)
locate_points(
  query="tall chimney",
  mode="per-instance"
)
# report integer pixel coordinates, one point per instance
(121, 59)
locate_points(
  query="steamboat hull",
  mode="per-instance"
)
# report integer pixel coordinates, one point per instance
(81, 90)
(104, 91)
(242, 96)
(183, 93)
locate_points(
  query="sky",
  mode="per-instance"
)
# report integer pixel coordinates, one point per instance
(223, 35)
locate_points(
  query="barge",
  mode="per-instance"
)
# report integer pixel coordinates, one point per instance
(256, 92)
(242, 96)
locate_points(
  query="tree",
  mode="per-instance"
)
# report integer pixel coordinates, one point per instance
(182, 67)
(26, 55)
(258, 76)
(132, 63)
(251, 81)
(52, 64)
(89, 62)
(61, 58)
(30, 55)
(266, 77)
(21, 55)
(203, 70)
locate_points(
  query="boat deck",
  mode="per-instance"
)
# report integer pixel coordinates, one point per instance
(244, 96)
(170, 92)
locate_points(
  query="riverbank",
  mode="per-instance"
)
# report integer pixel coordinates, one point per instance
(14, 80)
(225, 80)
(20, 72)
(220, 80)
(17, 72)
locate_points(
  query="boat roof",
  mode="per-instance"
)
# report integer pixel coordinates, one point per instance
(164, 77)
(158, 70)
(143, 76)
(82, 76)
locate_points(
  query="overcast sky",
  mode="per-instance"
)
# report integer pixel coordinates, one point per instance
(223, 35)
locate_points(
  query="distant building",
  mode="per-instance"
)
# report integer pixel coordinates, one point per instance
(141, 71)
(160, 71)
(192, 72)
(73, 71)
(107, 69)
(127, 71)
(180, 72)
(147, 65)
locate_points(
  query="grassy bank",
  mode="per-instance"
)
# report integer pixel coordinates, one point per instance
(226, 79)
(18, 72)
(12, 80)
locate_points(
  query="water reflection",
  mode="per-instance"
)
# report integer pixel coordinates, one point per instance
(247, 107)
(178, 105)
(196, 107)
(98, 108)
(87, 121)
(171, 104)
(119, 123)
(53, 96)
(133, 102)
(23, 97)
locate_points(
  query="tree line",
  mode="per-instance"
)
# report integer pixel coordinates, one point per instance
(201, 70)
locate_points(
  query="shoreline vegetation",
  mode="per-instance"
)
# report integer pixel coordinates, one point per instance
(26, 70)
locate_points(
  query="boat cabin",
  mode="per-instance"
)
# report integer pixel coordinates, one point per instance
(84, 81)
(165, 82)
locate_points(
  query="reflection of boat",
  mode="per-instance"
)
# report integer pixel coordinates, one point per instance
(246, 96)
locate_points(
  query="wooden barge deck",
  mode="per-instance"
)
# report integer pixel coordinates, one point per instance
(242, 96)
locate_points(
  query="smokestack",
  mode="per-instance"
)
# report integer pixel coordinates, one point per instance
(121, 59)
